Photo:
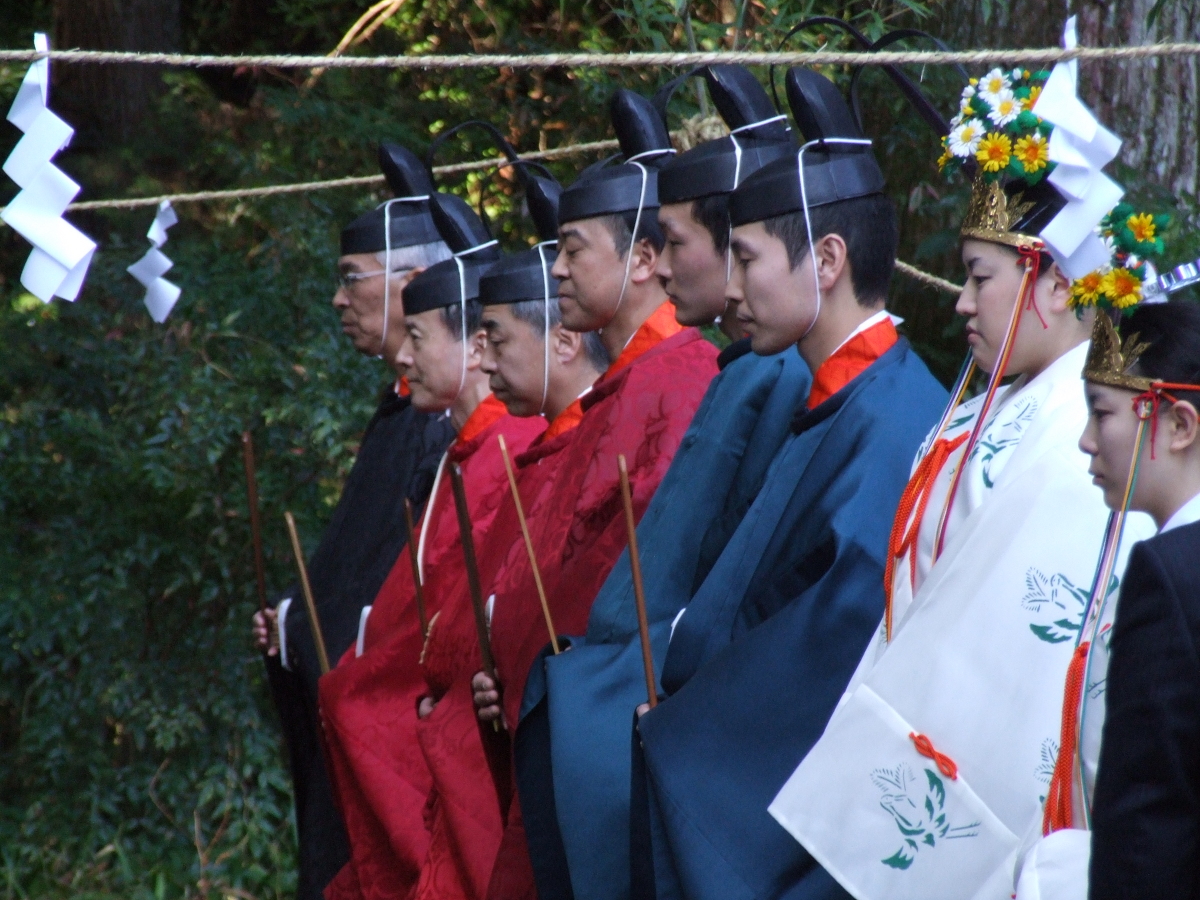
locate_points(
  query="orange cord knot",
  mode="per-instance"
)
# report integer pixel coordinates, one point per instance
(945, 764)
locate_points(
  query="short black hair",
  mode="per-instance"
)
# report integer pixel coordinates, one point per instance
(866, 224)
(713, 213)
(452, 318)
(1172, 330)
(620, 226)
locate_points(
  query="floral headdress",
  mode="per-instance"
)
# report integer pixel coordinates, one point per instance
(1133, 237)
(996, 127)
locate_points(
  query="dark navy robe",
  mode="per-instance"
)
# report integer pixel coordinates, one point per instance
(766, 647)
(397, 458)
(581, 701)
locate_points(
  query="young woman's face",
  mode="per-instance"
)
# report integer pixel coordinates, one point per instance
(1109, 440)
(994, 274)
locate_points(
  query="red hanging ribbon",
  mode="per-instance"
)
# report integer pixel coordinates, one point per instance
(945, 764)
(1057, 813)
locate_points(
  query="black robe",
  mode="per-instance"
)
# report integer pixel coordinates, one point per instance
(398, 458)
(1146, 818)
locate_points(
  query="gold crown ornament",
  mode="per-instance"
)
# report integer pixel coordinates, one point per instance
(992, 215)
(1110, 361)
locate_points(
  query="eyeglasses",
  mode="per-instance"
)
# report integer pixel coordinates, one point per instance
(347, 280)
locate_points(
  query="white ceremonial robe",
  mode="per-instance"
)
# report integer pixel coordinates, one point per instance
(975, 667)
(1055, 867)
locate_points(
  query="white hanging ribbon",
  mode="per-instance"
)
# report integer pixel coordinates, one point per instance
(1080, 147)
(61, 252)
(161, 294)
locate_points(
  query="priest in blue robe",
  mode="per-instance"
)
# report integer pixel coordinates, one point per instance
(759, 657)
(572, 750)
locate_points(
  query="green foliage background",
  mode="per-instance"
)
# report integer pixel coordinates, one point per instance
(139, 755)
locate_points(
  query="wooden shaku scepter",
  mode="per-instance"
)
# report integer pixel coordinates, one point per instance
(318, 636)
(639, 596)
(537, 573)
(416, 567)
(468, 545)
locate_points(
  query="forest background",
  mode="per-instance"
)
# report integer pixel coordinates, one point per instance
(139, 753)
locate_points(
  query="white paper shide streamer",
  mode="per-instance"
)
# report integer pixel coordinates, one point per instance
(61, 252)
(1080, 146)
(161, 294)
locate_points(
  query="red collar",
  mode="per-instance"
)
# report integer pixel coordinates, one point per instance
(482, 417)
(657, 328)
(850, 360)
(564, 421)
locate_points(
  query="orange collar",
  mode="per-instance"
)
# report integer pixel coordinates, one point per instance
(657, 328)
(850, 360)
(563, 422)
(488, 411)
(401, 388)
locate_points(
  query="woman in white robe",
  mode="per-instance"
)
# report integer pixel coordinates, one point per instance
(941, 751)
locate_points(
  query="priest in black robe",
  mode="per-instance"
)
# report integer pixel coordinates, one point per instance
(381, 252)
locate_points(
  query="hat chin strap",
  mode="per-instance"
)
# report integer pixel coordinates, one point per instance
(545, 326)
(387, 262)
(637, 224)
(812, 250)
(462, 307)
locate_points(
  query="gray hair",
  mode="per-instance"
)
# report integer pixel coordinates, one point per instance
(417, 256)
(533, 313)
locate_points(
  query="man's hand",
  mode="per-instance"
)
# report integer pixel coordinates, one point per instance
(266, 632)
(425, 707)
(487, 698)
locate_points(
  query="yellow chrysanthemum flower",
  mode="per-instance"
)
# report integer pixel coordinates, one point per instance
(1142, 226)
(994, 151)
(1033, 151)
(1085, 290)
(1122, 287)
(944, 158)
(1034, 92)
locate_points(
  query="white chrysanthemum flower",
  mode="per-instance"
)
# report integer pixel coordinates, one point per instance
(968, 92)
(1005, 108)
(965, 138)
(991, 84)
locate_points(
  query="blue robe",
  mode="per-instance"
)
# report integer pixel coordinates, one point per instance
(766, 647)
(572, 748)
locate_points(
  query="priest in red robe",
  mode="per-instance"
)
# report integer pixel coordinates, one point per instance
(369, 701)
(537, 368)
(608, 250)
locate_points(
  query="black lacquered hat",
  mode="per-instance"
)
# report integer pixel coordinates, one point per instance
(835, 165)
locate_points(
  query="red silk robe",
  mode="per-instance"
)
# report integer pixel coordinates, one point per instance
(571, 495)
(466, 806)
(368, 702)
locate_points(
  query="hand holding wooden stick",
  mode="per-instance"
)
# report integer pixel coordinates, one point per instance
(255, 525)
(318, 637)
(416, 567)
(537, 574)
(639, 596)
(468, 545)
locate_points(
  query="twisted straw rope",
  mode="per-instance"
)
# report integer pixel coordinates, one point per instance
(351, 181)
(610, 60)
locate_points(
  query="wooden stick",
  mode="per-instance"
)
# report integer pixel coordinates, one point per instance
(537, 574)
(255, 525)
(468, 545)
(416, 566)
(639, 595)
(318, 637)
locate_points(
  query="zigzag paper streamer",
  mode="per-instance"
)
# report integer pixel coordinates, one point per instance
(161, 294)
(1081, 147)
(61, 252)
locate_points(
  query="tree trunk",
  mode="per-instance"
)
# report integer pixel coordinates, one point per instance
(106, 103)
(1150, 103)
